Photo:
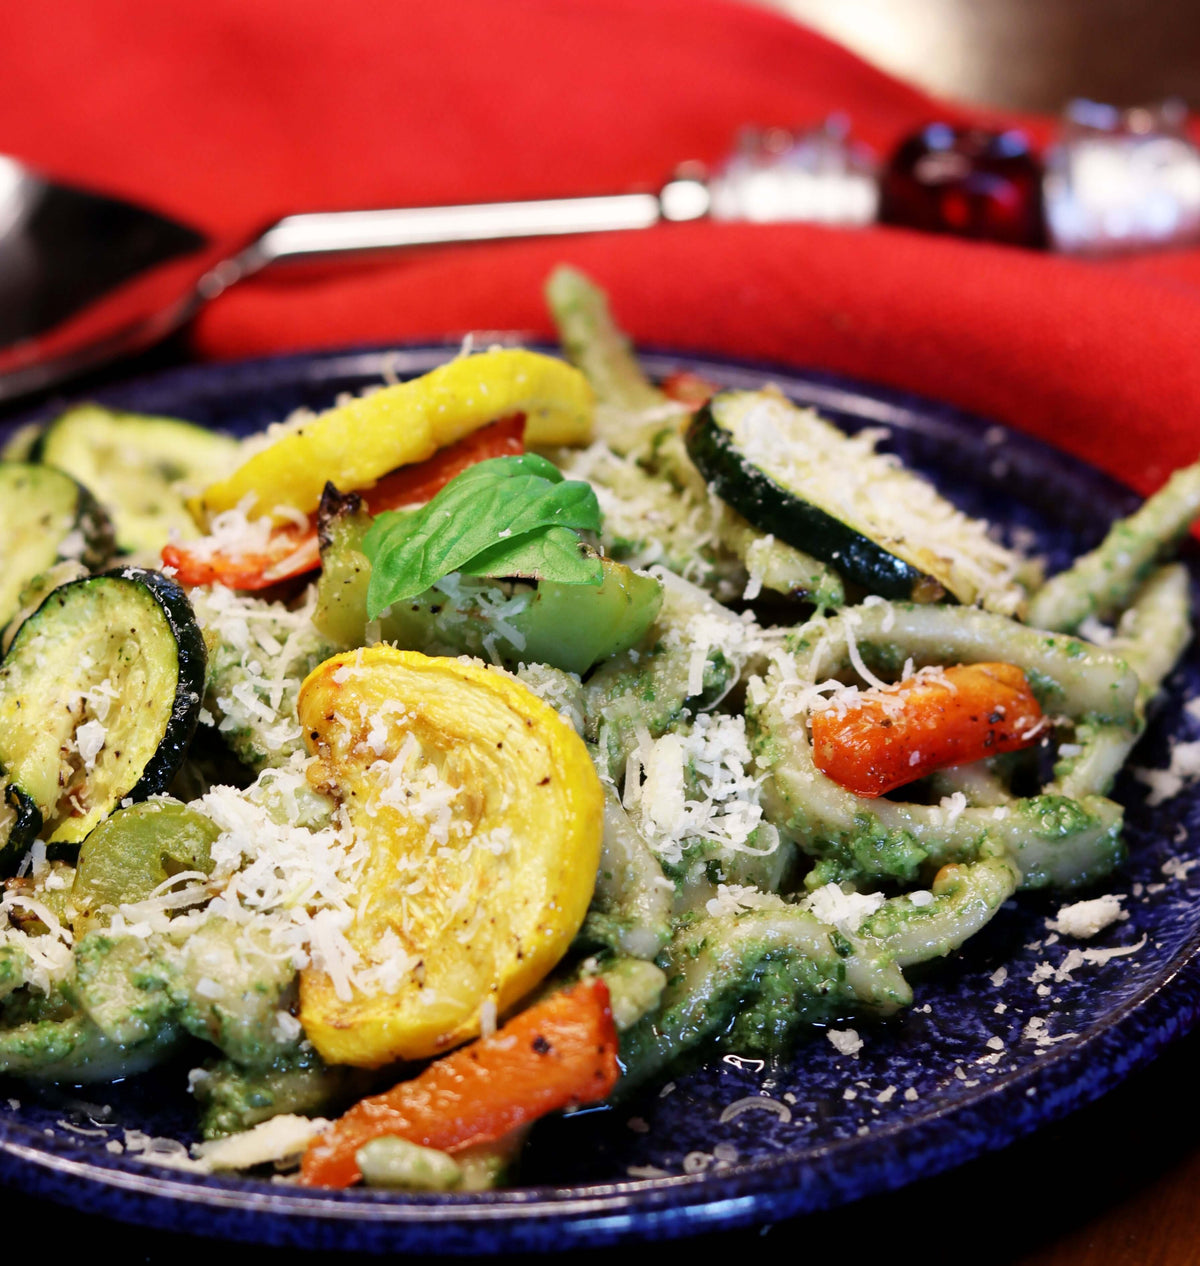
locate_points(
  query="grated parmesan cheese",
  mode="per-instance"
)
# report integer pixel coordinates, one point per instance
(735, 898)
(89, 739)
(1085, 919)
(694, 784)
(255, 705)
(843, 910)
(867, 488)
(755, 1103)
(277, 1141)
(282, 884)
(1165, 784)
(845, 1041)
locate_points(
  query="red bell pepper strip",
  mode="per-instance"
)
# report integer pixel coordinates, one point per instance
(886, 738)
(292, 550)
(414, 485)
(558, 1053)
(688, 388)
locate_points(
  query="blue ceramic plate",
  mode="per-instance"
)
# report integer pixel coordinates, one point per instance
(1004, 1037)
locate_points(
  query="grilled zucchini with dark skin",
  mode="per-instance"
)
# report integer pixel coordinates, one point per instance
(20, 821)
(99, 697)
(133, 462)
(882, 527)
(46, 517)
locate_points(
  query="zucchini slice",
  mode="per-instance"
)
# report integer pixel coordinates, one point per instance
(46, 517)
(99, 697)
(794, 475)
(20, 821)
(20, 444)
(139, 467)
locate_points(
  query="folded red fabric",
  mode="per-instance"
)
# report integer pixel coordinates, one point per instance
(230, 114)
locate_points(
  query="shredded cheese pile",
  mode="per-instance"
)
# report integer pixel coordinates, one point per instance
(695, 784)
(865, 487)
(270, 668)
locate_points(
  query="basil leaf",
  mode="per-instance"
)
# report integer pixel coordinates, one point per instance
(548, 554)
(518, 464)
(485, 506)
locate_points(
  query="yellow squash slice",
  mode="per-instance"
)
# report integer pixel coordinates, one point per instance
(356, 443)
(483, 816)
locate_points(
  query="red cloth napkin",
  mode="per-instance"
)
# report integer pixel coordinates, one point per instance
(230, 114)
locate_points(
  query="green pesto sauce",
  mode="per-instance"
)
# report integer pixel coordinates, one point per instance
(868, 854)
(233, 1098)
(1055, 817)
(786, 997)
(1049, 694)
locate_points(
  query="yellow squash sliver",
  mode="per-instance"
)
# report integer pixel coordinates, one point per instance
(483, 815)
(356, 443)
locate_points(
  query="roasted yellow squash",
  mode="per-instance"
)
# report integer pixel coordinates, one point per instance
(356, 443)
(483, 815)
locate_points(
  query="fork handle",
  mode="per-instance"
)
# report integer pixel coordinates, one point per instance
(349, 232)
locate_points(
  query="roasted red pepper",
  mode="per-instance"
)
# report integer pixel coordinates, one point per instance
(886, 738)
(558, 1053)
(292, 550)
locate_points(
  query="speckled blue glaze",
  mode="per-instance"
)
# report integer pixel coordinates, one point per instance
(984, 1057)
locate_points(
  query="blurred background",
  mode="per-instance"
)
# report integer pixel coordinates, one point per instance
(1022, 54)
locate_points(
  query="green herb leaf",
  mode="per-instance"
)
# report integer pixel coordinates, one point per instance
(503, 467)
(549, 554)
(495, 510)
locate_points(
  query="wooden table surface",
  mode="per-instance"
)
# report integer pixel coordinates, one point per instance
(1118, 1183)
